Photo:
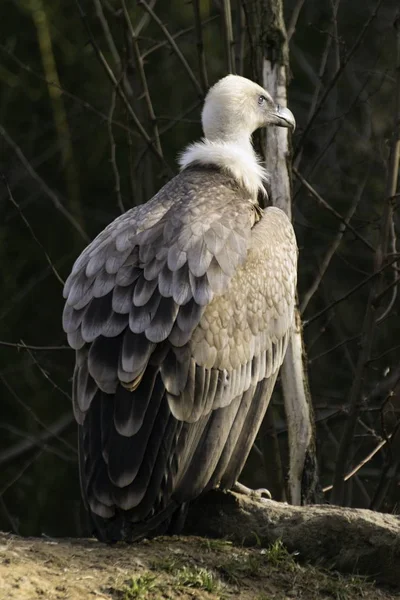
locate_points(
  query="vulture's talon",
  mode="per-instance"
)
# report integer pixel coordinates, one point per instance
(259, 494)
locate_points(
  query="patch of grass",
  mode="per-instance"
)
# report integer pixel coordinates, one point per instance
(215, 545)
(188, 576)
(344, 588)
(138, 587)
(167, 564)
(237, 567)
(199, 578)
(277, 554)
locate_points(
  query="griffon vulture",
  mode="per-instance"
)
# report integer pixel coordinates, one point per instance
(180, 313)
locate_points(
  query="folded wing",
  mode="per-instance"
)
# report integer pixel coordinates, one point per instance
(179, 312)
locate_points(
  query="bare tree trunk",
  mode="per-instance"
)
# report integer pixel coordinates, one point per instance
(270, 63)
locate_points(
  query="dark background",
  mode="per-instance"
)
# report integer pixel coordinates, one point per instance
(67, 143)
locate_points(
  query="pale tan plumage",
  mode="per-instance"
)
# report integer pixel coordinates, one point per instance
(180, 312)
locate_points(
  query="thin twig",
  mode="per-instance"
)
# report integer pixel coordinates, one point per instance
(173, 45)
(68, 163)
(335, 32)
(200, 46)
(360, 464)
(370, 318)
(167, 127)
(83, 103)
(20, 472)
(46, 375)
(389, 471)
(374, 358)
(319, 79)
(177, 35)
(338, 73)
(325, 204)
(294, 18)
(113, 157)
(25, 220)
(107, 34)
(45, 188)
(13, 522)
(347, 294)
(143, 79)
(387, 289)
(120, 91)
(335, 347)
(35, 442)
(32, 413)
(332, 249)
(384, 387)
(394, 284)
(229, 43)
(357, 479)
(22, 346)
(145, 19)
(240, 37)
(30, 442)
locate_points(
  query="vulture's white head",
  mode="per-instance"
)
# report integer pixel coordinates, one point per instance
(233, 109)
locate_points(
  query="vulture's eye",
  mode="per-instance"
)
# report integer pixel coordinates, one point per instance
(261, 100)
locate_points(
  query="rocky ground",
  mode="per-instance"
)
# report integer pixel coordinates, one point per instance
(177, 567)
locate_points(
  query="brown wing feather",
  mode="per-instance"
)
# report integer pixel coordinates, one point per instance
(190, 300)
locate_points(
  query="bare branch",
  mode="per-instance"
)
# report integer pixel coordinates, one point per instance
(173, 45)
(294, 18)
(319, 79)
(13, 522)
(388, 475)
(332, 250)
(325, 204)
(335, 347)
(177, 35)
(113, 158)
(45, 188)
(25, 220)
(26, 407)
(389, 351)
(107, 34)
(370, 314)
(363, 462)
(119, 89)
(83, 103)
(338, 73)
(358, 481)
(145, 20)
(347, 294)
(46, 375)
(30, 442)
(230, 56)
(395, 280)
(143, 80)
(171, 123)
(200, 46)
(20, 472)
(240, 38)
(22, 346)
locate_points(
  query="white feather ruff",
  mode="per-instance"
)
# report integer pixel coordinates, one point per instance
(241, 162)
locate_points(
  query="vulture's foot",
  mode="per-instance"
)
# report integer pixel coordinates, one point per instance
(260, 494)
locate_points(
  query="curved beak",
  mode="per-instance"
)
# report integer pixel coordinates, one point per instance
(284, 117)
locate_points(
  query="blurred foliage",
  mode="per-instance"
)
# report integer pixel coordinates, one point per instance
(55, 118)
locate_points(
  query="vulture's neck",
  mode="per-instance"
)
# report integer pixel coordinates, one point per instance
(236, 157)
